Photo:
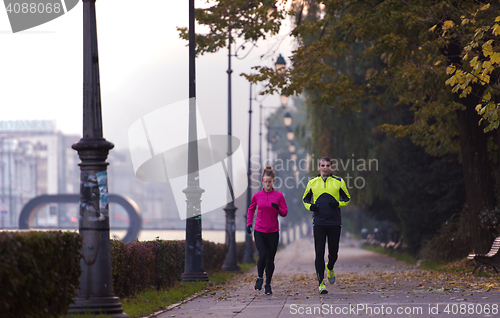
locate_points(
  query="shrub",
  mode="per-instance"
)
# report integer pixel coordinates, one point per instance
(214, 255)
(158, 264)
(39, 272)
(133, 267)
(451, 243)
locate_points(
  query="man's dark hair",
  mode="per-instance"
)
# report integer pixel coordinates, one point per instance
(325, 159)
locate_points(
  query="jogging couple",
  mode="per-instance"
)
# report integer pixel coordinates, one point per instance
(323, 196)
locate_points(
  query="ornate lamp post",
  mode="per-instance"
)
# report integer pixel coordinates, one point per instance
(279, 65)
(231, 263)
(248, 256)
(193, 264)
(95, 294)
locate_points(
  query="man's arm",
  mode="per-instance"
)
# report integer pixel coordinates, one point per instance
(307, 198)
(344, 196)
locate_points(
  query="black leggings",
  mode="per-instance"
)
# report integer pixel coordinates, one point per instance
(267, 245)
(321, 232)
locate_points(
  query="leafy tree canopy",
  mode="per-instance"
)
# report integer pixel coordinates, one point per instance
(231, 19)
(415, 42)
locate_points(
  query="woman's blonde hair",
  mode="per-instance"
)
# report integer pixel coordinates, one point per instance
(267, 172)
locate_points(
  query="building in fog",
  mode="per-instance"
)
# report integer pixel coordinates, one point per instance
(36, 159)
(156, 201)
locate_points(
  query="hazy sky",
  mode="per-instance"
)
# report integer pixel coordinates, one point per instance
(143, 66)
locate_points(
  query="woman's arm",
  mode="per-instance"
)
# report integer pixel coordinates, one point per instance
(251, 210)
(283, 210)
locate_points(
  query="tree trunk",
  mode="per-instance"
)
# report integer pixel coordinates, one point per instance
(478, 177)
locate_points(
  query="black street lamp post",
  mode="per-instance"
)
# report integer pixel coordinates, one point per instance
(279, 65)
(290, 135)
(95, 293)
(230, 263)
(248, 256)
(193, 262)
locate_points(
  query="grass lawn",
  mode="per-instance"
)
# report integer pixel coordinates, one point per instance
(460, 266)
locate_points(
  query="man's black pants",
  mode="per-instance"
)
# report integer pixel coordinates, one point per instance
(321, 233)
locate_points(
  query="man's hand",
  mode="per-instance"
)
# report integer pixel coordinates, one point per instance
(313, 207)
(274, 205)
(249, 229)
(333, 203)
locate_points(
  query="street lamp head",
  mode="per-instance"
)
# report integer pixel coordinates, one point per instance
(280, 68)
(293, 157)
(284, 100)
(291, 148)
(290, 135)
(287, 119)
(280, 64)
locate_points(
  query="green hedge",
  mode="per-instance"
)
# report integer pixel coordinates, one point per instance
(157, 264)
(39, 272)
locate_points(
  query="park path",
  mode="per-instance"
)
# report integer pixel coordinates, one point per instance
(368, 285)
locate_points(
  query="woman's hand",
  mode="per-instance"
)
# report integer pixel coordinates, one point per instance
(274, 205)
(249, 229)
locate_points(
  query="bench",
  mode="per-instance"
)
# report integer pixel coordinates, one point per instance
(489, 259)
(395, 246)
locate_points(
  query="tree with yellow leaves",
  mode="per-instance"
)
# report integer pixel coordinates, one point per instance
(480, 60)
(420, 47)
(417, 42)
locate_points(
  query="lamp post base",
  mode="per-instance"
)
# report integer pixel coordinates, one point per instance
(109, 306)
(231, 262)
(195, 277)
(231, 268)
(248, 256)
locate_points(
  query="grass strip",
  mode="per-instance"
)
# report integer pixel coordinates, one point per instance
(400, 256)
(151, 300)
(460, 266)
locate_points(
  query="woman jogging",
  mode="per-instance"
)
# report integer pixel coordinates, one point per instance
(270, 203)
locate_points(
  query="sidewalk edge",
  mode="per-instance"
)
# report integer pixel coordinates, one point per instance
(170, 307)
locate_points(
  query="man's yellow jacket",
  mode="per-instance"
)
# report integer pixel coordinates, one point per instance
(322, 193)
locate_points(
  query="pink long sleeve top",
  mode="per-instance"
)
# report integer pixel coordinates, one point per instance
(267, 216)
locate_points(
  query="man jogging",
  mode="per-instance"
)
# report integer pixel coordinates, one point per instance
(324, 196)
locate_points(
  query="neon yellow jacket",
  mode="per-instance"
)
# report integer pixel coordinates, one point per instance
(321, 193)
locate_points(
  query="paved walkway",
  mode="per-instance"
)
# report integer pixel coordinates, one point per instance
(368, 285)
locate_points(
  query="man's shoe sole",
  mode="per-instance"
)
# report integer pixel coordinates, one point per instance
(323, 292)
